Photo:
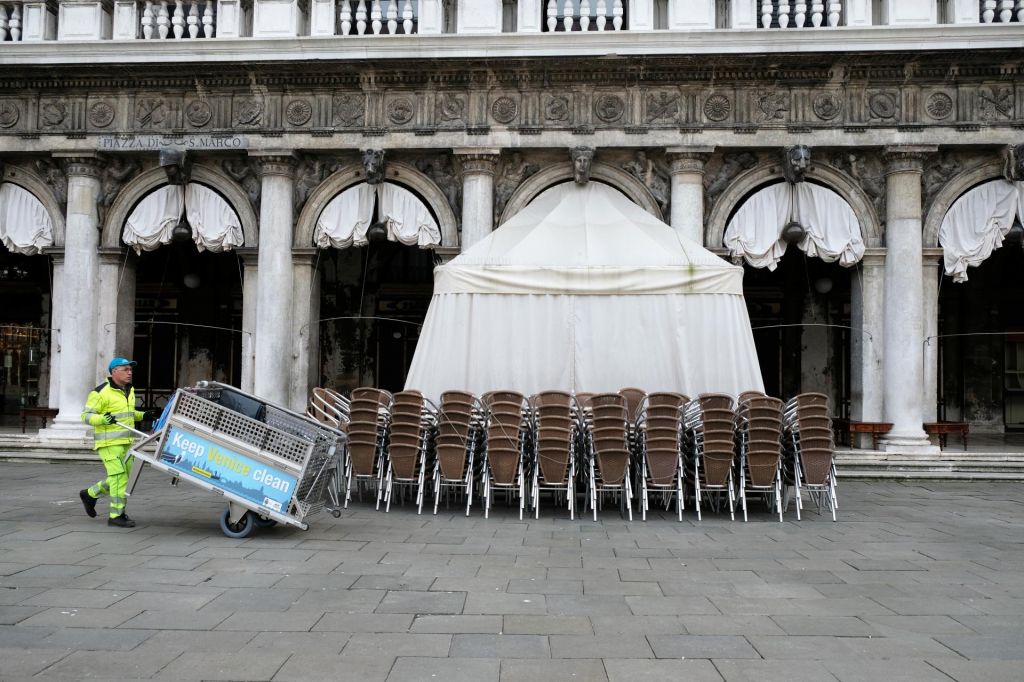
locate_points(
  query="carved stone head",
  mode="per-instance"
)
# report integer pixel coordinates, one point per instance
(373, 163)
(581, 159)
(795, 163)
(1013, 163)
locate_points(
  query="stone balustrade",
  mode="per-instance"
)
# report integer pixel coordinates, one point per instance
(207, 19)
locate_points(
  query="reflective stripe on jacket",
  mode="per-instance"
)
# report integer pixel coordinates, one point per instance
(120, 403)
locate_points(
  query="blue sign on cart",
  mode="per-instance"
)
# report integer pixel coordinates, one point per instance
(194, 456)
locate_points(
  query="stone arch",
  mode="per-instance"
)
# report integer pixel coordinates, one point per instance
(147, 181)
(953, 190)
(766, 172)
(555, 174)
(397, 171)
(30, 182)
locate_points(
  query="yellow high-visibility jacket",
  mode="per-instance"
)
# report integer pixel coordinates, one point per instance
(107, 397)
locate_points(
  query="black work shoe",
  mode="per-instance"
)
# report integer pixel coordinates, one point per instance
(89, 502)
(121, 521)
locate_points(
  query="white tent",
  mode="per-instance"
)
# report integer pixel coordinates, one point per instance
(585, 291)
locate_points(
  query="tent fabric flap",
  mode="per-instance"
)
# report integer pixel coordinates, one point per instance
(346, 219)
(215, 226)
(976, 224)
(833, 231)
(25, 226)
(151, 222)
(584, 291)
(409, 221)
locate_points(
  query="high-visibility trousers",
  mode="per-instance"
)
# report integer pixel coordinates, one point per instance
(116, 483)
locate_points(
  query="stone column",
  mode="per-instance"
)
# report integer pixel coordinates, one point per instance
(249, 293)
(274, 280)
(867, 303)
(478, 166)
(77, 336)
(115, 324)
(688, 191)
(56, 310)
(930, 287)
(305, 374)
(903, 344)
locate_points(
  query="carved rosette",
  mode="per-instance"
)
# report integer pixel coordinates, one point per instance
(479, 164)
(283, 165)
(883, 105)
(939, 106)
(101, 114)
(9, 114)
(505, 109)
(298, 112)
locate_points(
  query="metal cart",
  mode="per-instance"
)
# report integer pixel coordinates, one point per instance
(273, 465)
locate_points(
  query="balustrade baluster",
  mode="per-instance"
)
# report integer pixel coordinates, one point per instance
(361, 17)
(376, 17)
(147, 20)
(393, 17)
(834, 9)
(552, 16)
(584, 15)
(178, 20)
(602, 14)
(3, 23)
(989, 11)
(766, 13)
(783, 13)
(568, 15)
(193, 20)
(1005, 11)
(15, 23)
(345, 16)
(617, 11)
(800, 14)
(163, 21)
(208, 18)
(1020, 11)
(407, 17)
(817, 14)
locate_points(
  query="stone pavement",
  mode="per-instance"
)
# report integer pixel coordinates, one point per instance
(917, 581)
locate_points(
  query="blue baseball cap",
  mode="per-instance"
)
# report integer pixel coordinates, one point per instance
(120, 362)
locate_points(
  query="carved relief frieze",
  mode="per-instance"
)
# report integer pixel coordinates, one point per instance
(939, 105)
(298, 112)
(771, 106)
(655, 175)
(661, 107)
(152, 113)
(867, 169)
(53, 175)
(514, 171)
(198, 113)
(731, 165)
(400, 110)
(995, 103)
(441, 169)
(53, 113)
(115, 173)
(245, 172)
(309, 173)
(10, 113)
(609, 107)
(557, 109)
(883, 105)
(827, 105)
(249, 111)
(450, 108)
(938, 170)
(348, 110)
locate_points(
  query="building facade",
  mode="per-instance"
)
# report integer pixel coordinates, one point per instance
(189, 183)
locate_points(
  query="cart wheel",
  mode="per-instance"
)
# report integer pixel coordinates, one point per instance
(264, 522)
(242, 529)
(336, 513)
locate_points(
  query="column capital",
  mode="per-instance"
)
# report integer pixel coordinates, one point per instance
(275, 163)
(932, 256)
(478, 161)
(304, 256)
(907, 158)
(688, 159)
(81, 164)
(873, 257)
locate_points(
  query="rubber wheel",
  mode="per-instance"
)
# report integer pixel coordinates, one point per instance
(242, 529)
(336, 513)
(263, 522)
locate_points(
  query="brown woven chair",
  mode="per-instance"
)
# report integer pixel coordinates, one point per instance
(660, 438)
(505, 447)
(329, 408)
(759, 420)
(458, 442)
(410, 443)
(810, 458)
(711, 425)
(369, 422)
(555, 437)
(607, 465)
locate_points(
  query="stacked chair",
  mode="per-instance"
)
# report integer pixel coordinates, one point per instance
(458, 443)
(607, 451)
(710, 423)
(329, 407)
(411, 439)
(810, 456)
(506, 439)
(555, 441)
(659, 431)
(368, 427)
(759, 436)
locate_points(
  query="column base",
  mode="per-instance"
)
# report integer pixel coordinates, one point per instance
(66, 429)
(910, 445)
